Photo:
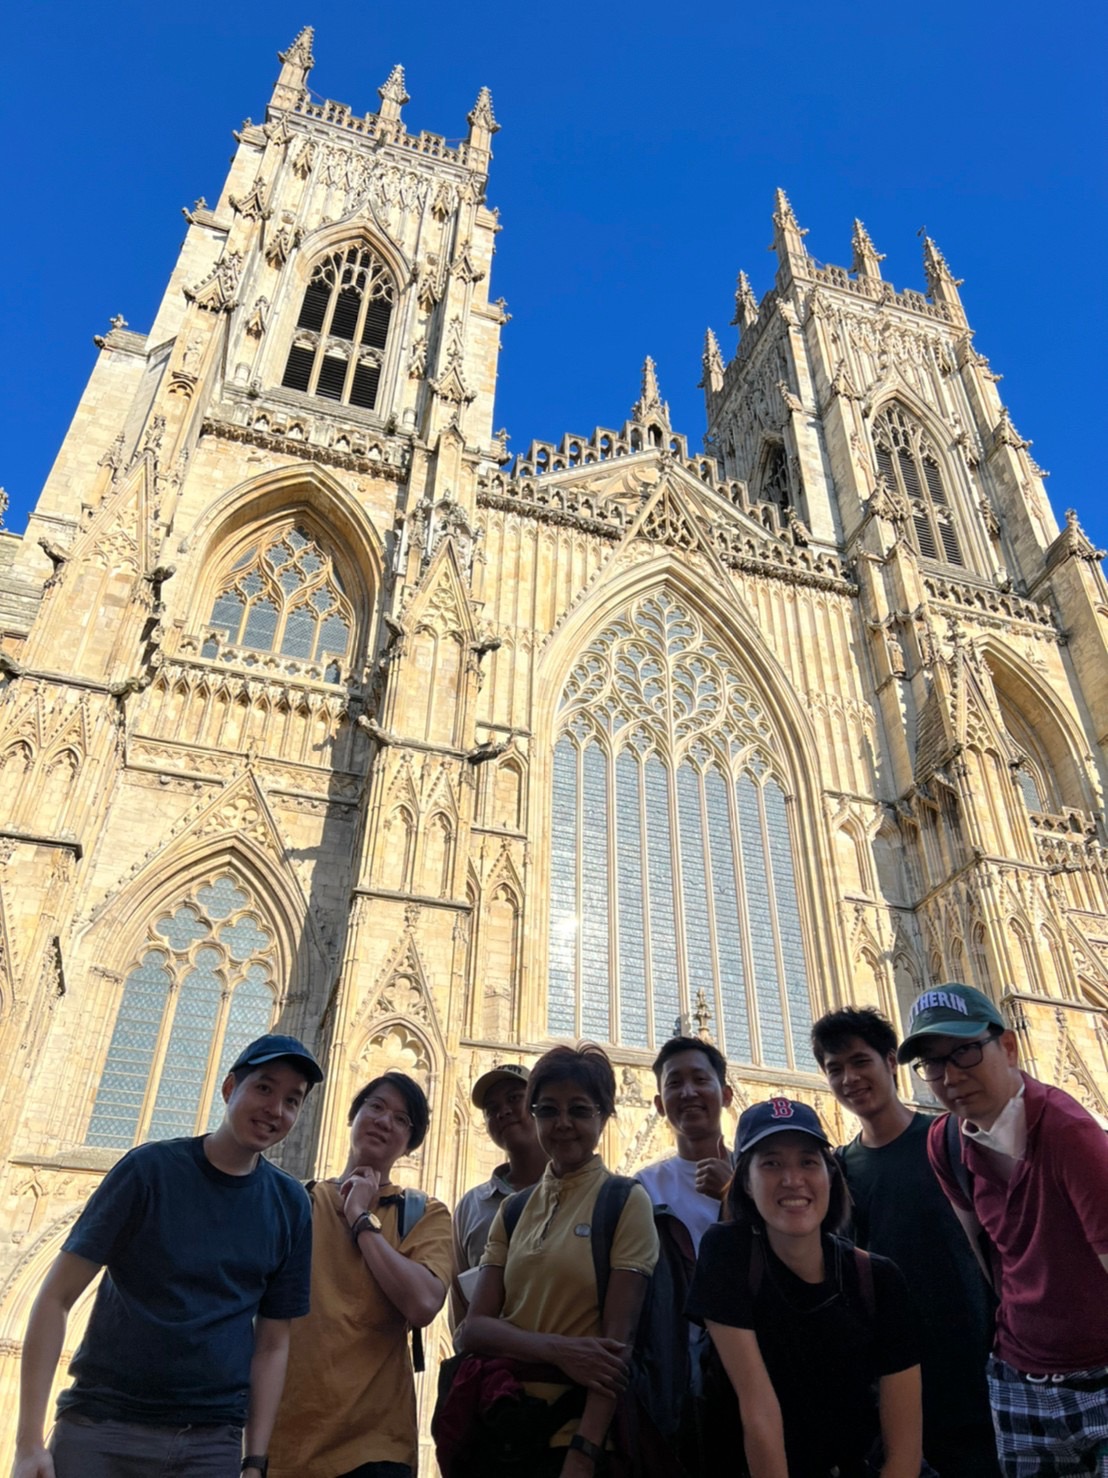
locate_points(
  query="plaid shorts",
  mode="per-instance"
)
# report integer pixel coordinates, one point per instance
(1050, 1427)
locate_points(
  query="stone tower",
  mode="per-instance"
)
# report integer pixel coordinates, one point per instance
(315, 711)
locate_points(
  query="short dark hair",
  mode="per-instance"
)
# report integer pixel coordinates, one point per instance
(586, 1064)
(415, 1102)
(740, 1203)
(240, 1074)
(832, 1032)
(691, 1044)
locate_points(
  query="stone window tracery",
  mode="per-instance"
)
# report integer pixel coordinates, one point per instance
(672, 863)
(773, 485)
(910, 467)
(201, 988)
(338, 347)
(284, 595)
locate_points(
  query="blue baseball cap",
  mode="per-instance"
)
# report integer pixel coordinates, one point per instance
(951, 1010)
(272, 1046)
(761, 1120)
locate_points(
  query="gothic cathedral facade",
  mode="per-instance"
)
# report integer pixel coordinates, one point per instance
(316, 709)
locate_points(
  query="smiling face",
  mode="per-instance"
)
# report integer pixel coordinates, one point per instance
(511, 1128)
(569, 1124)
(691, 1096)
(264, 1105)
(978, 1093)
(790, 1184)
(381, 1130)
(861, 1079)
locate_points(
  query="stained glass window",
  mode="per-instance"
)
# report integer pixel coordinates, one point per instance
(201, 990)
(673, 863)
(284, 595)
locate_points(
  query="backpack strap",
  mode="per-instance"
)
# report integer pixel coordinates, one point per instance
(956, 1160)
(756, 1268)
(864, 1268)
(513, 1209)
(605, 1218)
(412, 1206)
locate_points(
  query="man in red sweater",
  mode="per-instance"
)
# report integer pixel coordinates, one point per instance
(1035, 1179)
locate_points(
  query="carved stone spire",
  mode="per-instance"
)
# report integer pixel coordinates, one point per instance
(712, 361)
(746, 304)
(393, 96)
(867, 259)
(482, 125)
(650, 406)
(942, 285)
(788, 235)
(296, 63)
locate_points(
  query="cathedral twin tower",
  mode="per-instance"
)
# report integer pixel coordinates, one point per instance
(316, 710)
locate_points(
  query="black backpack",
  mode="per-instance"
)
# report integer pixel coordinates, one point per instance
(652, 1419)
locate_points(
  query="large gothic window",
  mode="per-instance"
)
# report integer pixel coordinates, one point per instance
(284, 595)
(672, 855)
(338, 347)
(201, 989)
(910, 467)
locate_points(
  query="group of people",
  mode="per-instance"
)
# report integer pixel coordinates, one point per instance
(931, 1297)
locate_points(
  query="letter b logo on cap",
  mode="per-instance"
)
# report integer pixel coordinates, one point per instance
(782, 1108)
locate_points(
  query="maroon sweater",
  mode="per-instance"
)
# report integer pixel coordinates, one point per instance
(1048, 1224)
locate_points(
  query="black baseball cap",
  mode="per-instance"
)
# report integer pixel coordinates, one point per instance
(761, 1120)
(272, 1046)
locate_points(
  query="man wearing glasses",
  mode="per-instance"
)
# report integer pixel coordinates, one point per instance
(1037, 1167)
(900, 1212)
(349, 1409)
(501, 1095)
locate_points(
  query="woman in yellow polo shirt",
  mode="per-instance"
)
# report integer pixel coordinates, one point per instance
(536, 1300)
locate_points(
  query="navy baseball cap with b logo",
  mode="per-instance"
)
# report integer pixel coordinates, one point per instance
(761, 1120)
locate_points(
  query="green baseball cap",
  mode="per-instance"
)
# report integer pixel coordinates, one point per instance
(951, 1010)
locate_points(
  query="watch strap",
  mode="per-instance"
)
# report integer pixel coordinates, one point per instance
(364, 1223)
(256, 1460)
(583, 1445)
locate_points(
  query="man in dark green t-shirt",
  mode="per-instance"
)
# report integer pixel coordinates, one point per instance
(901, 1213)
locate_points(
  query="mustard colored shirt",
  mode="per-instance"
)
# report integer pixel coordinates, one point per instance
(549, 1278)
(349, 1394)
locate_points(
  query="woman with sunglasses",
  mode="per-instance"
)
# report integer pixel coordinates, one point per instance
(818, 1342)
(536, 1300)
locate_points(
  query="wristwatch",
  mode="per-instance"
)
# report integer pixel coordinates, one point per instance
(588, 1449)
(253, 1460)
(367, 1222)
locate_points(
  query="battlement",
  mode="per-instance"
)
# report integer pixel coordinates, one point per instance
(372, 127)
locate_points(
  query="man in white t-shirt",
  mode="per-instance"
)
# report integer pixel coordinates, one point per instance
(692, 1093)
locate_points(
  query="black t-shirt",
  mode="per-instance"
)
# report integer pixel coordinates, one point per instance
(901, 1212)
(823, 1352)
(190, 1256)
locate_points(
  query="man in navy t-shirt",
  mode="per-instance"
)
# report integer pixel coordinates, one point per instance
(207, 1255)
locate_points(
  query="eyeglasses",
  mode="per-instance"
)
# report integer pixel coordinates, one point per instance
(579, 1112)
(931, 1069)
(380, 1110)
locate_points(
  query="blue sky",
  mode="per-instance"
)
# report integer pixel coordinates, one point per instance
(635, 170)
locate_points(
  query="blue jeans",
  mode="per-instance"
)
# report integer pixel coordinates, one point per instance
(83, 1448)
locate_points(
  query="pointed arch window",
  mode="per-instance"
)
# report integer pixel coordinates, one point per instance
(910, 466)
(338, 347)
(673, 864)
(284, 595)
(200, 989)
(773, 484)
